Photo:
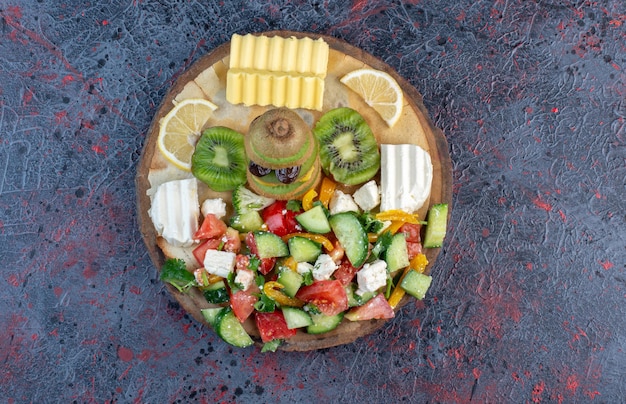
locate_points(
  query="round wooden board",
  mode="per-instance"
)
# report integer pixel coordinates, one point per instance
(414, 127)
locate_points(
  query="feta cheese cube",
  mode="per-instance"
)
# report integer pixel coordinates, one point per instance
(371, 277)
(215, 206)
(244, 278)
(220, 263)
(342, 202)
(324, 267)
(304, 267)
(368, 196)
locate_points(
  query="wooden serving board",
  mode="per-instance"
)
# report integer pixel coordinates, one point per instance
(413, 127)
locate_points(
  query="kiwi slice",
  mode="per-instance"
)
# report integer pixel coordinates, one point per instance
(348, 148)
(219, 159)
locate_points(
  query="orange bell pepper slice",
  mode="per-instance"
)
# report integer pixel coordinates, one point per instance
(272, 290)
(307, 199)
(397, 215)
(326, 191)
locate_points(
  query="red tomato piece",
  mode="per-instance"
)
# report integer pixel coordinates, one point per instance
(200, 251)
(377, 308)
(279, 219)
(413, 249)
(345, 273)
(232, 242)
(242, 303)
(411, 232)
(212, 227)
(328, 295)
(273, 326)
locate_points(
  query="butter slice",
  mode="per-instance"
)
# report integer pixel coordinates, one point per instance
(406, 177)
(284, 72)
(175, 211)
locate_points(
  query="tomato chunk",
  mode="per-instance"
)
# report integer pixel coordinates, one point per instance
(328, 295)
(411, 232)
(212, 227)
(279, 219)
(273, 326)
(345, 273)
(377, 308)
(242, 303)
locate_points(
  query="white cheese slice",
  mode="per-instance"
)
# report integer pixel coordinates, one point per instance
(406, 177)
(175, 211)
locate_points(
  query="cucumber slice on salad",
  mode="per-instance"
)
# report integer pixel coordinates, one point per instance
(296, 318)
(416, 284)
(436, 228)
(396, 255)
(269, 245)
(314, 220)
(351, 235)
(228, 327)
(323, 323)
(245, 222)
(303, 249)
(291, 281)
(210, 314)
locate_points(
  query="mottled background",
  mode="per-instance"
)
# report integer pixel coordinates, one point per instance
(529, 295)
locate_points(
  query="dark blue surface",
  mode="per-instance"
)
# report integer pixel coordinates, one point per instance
(528, 298)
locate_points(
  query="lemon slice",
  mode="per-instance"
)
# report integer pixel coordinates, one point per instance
(181, 128)
(379, 90)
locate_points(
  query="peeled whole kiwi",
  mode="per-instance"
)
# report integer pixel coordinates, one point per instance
(279, 138)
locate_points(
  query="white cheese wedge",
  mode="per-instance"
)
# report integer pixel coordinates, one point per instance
(406, 177)
(175, 211)
(371, 277)
(220, 263)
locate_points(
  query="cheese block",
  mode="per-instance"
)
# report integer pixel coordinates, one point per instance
(175, 211)
(406, 177)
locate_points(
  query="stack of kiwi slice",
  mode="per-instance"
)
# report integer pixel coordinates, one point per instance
(282, 152)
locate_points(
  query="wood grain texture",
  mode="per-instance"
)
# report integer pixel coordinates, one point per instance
(344, 57)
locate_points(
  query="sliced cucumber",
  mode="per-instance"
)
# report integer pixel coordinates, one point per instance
(416, 284)
(314, 220)
(291, 281)
(230, 329)
(303, 249)
(245, 222)
(323, 323)
(210, 314)
(396, 255)
(269, 245)
(296, 318)
(436, 227)
(351, 235)
(355, 300)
